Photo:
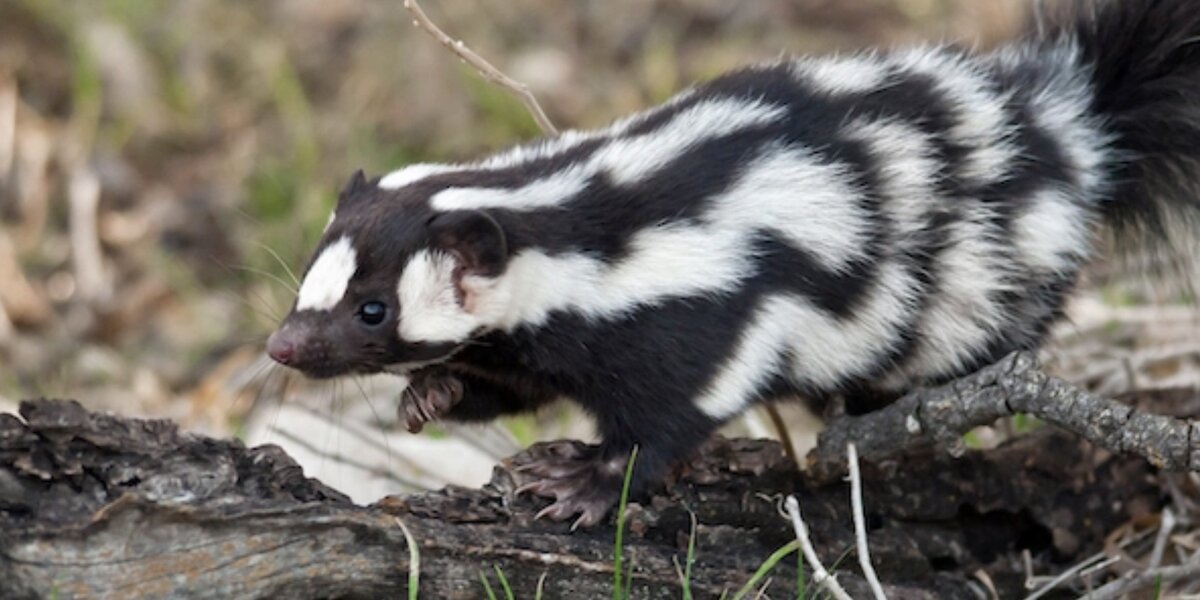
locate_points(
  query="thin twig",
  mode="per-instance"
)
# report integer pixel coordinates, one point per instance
(820, 575)
(1064, 576)
(483, 67)
(1085, 566)
(1138, 580)
(860, 524)
(1165, 527)
(1086, 574)
(781, 430)
(1027, 563)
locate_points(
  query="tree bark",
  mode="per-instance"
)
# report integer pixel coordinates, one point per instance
(97, 506)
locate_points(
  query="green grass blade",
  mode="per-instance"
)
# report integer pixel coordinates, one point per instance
(619, 543)
(414, 561)
(508, 595)
(541, 585)
(691, 558)
(487, 587)
(766, 567)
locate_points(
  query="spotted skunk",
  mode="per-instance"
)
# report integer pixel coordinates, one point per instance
(855, 225)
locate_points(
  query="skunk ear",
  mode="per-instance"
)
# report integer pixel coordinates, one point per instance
(357, 183)
(474, 237)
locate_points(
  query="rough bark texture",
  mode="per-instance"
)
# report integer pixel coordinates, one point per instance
(1011, 386)
(95, 506)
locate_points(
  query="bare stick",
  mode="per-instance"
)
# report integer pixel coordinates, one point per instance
(483, 67)
(820, 575)
(781, 430)
(1013, 385)
(1064, 576)
(860, 524)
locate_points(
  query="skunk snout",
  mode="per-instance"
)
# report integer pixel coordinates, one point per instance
(281, 347)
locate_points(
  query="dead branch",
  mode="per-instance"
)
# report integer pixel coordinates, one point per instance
(483, 67)
(1013, 385)
(93, 505)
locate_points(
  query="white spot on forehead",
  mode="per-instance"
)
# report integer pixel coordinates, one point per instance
(326, 282)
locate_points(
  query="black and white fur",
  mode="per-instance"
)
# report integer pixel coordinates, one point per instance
(856, 225)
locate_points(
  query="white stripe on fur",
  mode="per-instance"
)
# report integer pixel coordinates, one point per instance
(1063, 110)
(626, 161)
(982, 124)
(907, 168)
(843, 75)
(788, 191)
(538, 149)
(962, 316)
(824, 349)
(632, 159)
(827, 349)
(541, 193)
(412, 174)
(1053, 234)
(663, 262)
(758, 355)
(810, 202)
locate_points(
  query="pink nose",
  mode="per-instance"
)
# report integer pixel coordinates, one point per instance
(280, 349)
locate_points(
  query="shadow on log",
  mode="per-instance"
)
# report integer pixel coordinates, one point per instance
(97, 506)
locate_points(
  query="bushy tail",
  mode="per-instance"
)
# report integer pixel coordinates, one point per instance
(1144, 59)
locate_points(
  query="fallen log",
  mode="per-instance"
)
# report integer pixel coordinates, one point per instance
(98, 506)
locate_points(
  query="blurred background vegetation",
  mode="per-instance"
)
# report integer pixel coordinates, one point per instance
(164, 164)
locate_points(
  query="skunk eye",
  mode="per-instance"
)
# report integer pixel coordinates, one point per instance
(372, 313)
